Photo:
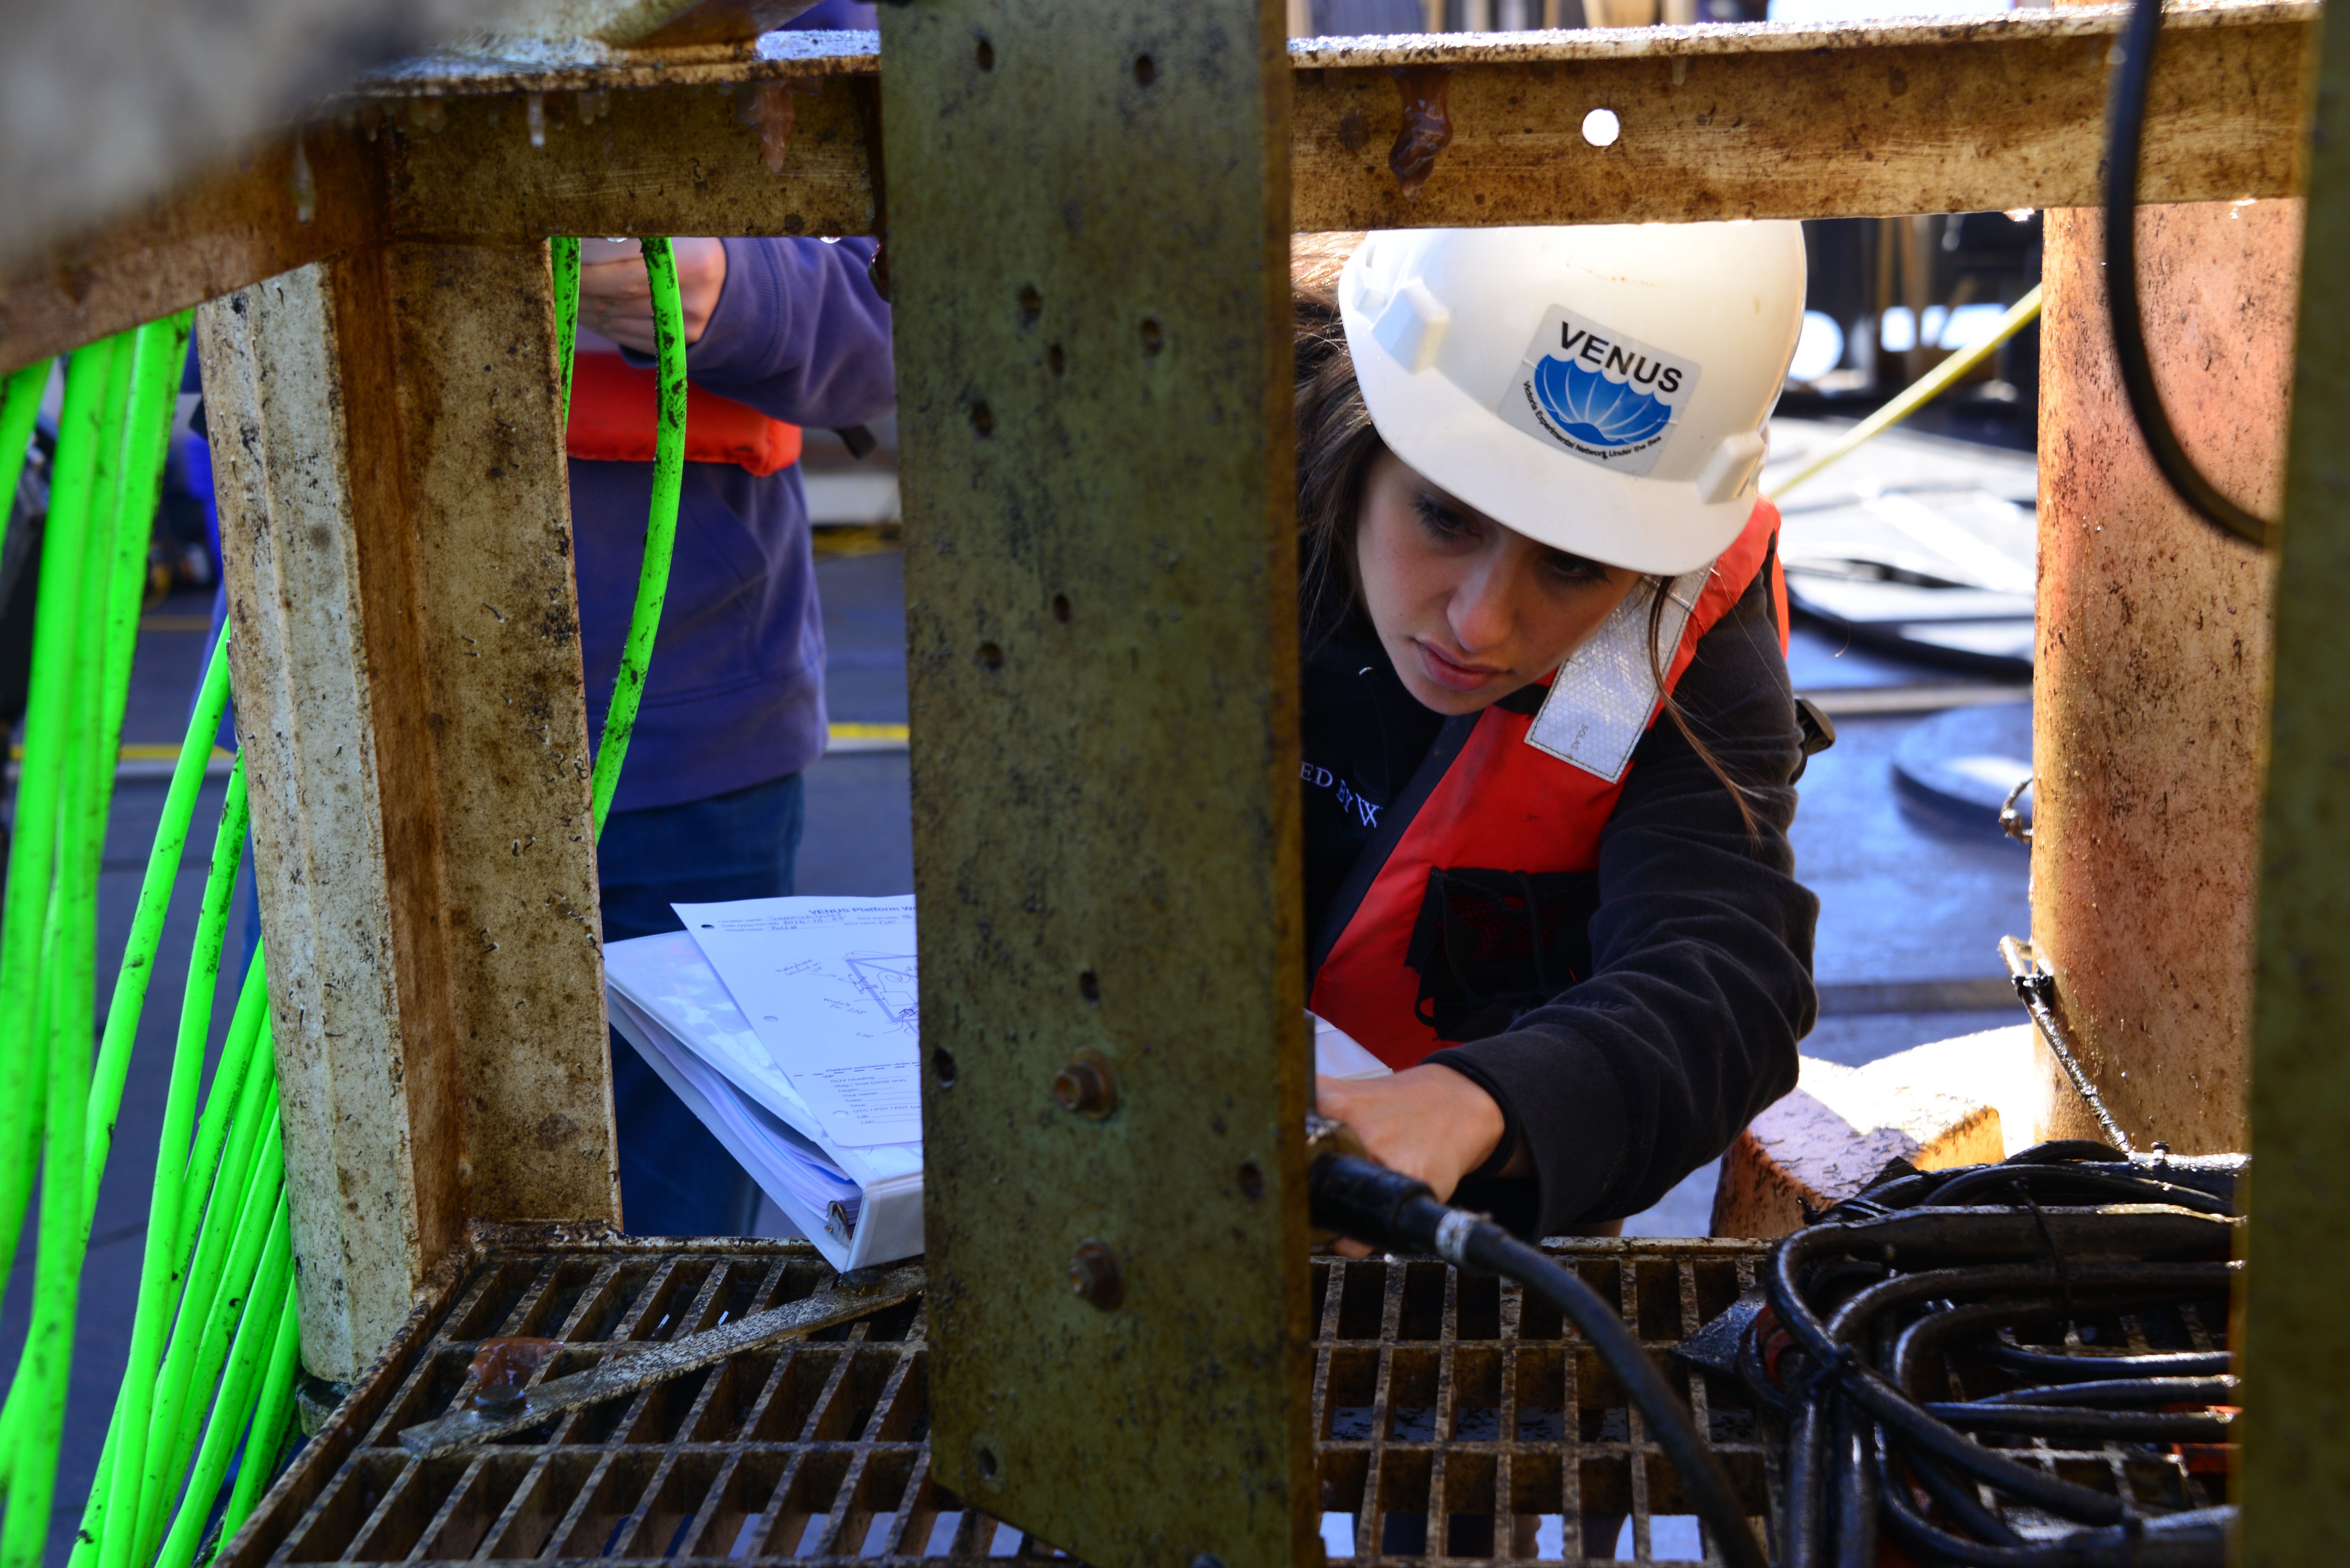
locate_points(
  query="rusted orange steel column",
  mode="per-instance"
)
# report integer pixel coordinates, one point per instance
(2151, 690)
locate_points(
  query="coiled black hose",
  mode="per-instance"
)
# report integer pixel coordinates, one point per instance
(2125, 133)
(1361, 1199)
(1863, 1304)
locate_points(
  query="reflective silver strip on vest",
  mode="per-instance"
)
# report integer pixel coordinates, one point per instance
(1601, 704)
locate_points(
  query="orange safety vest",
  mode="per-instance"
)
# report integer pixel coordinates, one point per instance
(1484, 899)
(614, 410)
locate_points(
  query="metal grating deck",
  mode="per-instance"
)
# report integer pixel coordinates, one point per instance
(1438, 1396)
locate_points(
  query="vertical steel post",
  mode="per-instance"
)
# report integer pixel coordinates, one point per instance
(2295, 1343)
(396, 528)
(1087, 218)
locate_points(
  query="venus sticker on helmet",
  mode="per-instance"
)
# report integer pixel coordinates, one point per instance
(1600, 394)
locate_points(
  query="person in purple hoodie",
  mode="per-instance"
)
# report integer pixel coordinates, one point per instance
(781, 333)
(709, 803)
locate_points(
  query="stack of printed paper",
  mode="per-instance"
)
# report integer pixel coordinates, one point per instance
(788, 1025)
(796, 1049)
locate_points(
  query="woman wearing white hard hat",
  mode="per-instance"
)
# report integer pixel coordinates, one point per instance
(1549, 739)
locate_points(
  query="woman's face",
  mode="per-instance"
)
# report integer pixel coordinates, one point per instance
(1468, 610)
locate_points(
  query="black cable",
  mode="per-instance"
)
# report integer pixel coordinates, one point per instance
(1364, 1200)
(2123, 1393)
(2126, 132)
(1882, 1305)
(2097, 1187)
(2056, 1367)
(2067, 1421)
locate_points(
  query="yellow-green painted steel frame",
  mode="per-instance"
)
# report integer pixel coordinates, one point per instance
(1087, 221)
(2293, 1310)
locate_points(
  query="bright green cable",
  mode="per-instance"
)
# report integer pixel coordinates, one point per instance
(177, 1197)
(37, 1424)
(19, 407)
(161, 348)
(233, 1407)
(139, 954)
(35, 940)
(200, 1342)
(660, 527)
(224, 1101)
(32, 851)
(158, 359)
(230, 1191)
(271, 1417)
(136, 1395)
(68, 931)
(563, 258)
(37, 1403)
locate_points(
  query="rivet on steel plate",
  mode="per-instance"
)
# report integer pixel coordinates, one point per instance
(1084, 1087)
(1095, 1276)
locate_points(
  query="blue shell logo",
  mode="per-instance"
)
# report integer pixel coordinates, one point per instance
(1593, 408)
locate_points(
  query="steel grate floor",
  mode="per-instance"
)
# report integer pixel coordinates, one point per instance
(1457, 1420)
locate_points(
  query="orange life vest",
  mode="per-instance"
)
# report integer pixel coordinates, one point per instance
(613, 411)
(1495, 866)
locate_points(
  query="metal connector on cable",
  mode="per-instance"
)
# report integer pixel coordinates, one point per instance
(2036, 989)
(1359, 1198)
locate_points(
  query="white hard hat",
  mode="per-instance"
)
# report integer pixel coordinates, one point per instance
(1601, 389)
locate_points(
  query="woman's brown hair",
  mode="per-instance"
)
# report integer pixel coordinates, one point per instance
(1337, 444)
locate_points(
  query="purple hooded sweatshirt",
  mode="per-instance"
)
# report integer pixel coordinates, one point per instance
(735, 693)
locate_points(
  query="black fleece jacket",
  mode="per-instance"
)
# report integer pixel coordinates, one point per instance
(1701, 944)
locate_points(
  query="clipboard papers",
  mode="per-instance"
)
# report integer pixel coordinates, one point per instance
(859, 1204)
(819, 1095)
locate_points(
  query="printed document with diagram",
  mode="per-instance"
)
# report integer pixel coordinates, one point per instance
(828, 987)
(789, 1026)
(859, 1205)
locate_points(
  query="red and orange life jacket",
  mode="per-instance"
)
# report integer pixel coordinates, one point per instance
(613, 407)
(1483, 899)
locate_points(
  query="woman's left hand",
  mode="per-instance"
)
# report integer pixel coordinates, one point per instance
(1428, 1121)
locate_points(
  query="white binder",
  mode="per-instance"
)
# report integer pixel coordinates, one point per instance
(859, 1206)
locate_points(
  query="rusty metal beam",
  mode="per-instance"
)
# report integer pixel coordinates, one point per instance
(1087, 221)
(666, 161)
(1717, 121)
(1770, 121)
(224, 230)
(397, 545)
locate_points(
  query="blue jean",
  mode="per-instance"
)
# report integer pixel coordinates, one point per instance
(676, 1180)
